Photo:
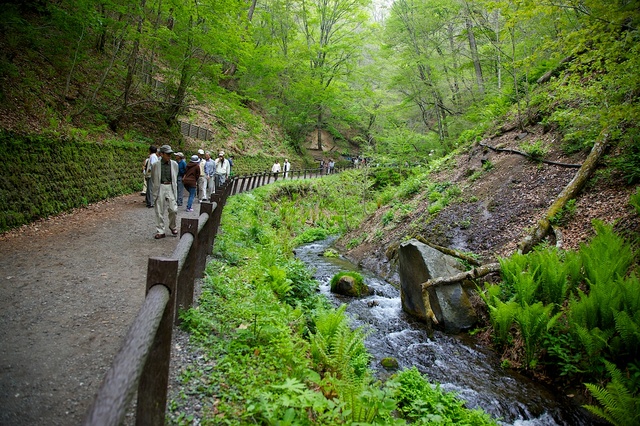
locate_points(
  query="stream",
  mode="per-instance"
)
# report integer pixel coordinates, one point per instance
(460, 365)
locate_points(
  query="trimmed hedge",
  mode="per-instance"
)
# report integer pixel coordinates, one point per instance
(45, 175)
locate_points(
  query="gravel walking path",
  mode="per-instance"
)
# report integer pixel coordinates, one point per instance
(70, 287)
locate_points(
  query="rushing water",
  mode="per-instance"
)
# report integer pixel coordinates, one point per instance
(456, 362)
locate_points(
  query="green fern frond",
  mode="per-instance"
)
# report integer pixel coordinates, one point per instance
(619, 405)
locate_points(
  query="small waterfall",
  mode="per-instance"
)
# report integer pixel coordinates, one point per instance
(456, 362)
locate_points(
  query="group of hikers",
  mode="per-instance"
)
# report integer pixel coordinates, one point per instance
(166, 180)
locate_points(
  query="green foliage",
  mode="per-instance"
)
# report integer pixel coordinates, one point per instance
(620, 399)
(573, 310)
(422, 403)
(634, 200)
(533, 322)
(536, 150)
(335, 348)
(387, 218)
(565, 214)
(310, 235)
(607, 257)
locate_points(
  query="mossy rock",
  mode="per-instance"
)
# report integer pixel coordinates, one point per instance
(331, 253)
(389, 363)
(349, 284)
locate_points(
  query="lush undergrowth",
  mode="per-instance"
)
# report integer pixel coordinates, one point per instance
(275, 352)
(577, 316)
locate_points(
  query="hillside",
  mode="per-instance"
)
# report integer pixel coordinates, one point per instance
(497, 204)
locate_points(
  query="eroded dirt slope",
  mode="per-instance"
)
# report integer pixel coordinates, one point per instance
(497, 206)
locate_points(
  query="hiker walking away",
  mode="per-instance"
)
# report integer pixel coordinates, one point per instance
(182, 167)
(151, 160)
(286, 167)
(275, 169)
(223, 169)
(190, 180)
(202, 180)
(164, 175)
(209, 170)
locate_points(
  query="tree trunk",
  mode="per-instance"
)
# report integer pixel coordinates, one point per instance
(473, 47)
(474, 273)
(570, 191)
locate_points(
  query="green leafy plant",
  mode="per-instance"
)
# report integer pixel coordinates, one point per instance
(565, 214)
(619, 399)
(634, 200)
(536, 150)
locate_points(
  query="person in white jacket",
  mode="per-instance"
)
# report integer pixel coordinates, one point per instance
(275, 169)
(223, 169)
(285, 168)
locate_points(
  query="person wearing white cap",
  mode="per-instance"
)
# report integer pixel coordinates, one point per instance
(223, 169)
(202, 180)
(164, 175)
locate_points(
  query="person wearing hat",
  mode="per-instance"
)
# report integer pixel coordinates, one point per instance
(202, 180)
(182, 168)
(164, 176)
(223, 169)
(190, 180)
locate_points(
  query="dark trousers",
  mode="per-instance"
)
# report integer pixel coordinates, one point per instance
(148, 196)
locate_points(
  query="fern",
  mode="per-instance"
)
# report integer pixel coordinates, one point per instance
(533, 321)
(594, 341)
(607, 257)
(620, 403)
(629, 329)
(337, 348)
(551, 276)
(502, 315)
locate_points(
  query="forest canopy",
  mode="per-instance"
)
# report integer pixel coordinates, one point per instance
(400, 79)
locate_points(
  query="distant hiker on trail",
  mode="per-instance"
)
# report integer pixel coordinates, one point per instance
(286, 167)
(275, 169)
(223, 169)
(164, 175)
(182, 167)
(151, 160)
(202, 180)
(190, 180)
(209, 171)
(332, 165)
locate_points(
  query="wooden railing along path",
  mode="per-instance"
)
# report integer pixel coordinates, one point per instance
(143, 361)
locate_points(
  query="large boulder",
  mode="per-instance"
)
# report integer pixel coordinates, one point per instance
(446, 307)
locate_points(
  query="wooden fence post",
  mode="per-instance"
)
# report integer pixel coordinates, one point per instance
(203, 238)
(154, 380)
(186, 277)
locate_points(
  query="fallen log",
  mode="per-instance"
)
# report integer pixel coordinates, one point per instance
(524, 154)
(449, 251)
(570, 191)
(474, 273)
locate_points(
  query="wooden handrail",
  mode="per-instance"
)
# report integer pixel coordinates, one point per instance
(143, 360)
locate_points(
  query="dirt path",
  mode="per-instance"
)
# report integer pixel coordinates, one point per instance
(70, 287)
